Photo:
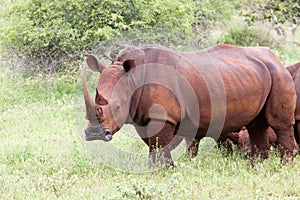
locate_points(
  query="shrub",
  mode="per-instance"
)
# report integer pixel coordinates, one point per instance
(211, 12)
(50, 34)
(250, 36)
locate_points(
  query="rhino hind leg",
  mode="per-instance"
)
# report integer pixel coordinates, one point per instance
(287, 144)
(279, 112)
(258, 134)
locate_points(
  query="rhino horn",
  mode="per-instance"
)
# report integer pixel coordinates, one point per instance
(89, 104)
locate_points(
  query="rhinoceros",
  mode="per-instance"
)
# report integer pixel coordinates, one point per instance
(211, 92)
(295, 72)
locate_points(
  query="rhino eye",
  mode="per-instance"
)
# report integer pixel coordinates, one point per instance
(99, 112)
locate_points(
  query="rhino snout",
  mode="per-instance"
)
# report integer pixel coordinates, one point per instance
(95, 132)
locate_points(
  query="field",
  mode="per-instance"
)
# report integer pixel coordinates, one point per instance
(43, 154)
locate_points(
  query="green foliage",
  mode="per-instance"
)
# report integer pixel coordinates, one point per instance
(50, 36)
(166, 14)
(274, 11)
(250, 36)
(48, 31)
(210, 12)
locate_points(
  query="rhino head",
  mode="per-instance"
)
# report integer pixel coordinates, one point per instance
(93, 131)
(108, 112)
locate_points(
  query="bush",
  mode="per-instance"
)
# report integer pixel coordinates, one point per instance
(50, 34)
(210, 12)
(250, 36)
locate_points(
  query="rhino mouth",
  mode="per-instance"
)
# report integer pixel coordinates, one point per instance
(95, 132)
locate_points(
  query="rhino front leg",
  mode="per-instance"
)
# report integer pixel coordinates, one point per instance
(160, 136)
(193, 147)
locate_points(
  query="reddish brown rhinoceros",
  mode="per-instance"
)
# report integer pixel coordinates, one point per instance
(295, 72)
(217, 90)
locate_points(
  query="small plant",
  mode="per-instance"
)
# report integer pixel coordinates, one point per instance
(170, 189)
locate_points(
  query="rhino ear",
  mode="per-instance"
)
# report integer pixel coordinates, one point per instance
(128, 65)
(93, 63)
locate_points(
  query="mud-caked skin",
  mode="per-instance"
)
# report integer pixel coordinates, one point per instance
(258, 92)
